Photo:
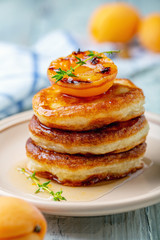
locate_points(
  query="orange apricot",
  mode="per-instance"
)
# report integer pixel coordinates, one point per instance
(149, 32)
(20, 220)
(91, 79)
(114, 22)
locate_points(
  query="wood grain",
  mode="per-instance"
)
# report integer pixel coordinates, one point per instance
(141, 224)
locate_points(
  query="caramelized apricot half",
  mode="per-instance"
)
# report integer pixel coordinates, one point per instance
(92, 78)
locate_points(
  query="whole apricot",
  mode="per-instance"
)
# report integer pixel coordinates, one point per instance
(149, 32)
(114, 22)
(20, 220)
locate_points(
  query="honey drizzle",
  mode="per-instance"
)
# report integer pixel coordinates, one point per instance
(83, 194)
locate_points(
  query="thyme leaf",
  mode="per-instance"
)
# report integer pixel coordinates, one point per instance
(41, 187)
(60, 74)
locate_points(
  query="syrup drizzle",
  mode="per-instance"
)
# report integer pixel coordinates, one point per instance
(82, 194)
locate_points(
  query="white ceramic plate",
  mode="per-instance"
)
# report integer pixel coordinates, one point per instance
(142, 191)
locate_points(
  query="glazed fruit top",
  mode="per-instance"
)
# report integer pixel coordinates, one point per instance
(82, 74)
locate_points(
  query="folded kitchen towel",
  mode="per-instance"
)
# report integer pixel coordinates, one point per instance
(23, 70)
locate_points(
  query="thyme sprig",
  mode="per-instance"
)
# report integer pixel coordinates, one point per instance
(70, 73)
(42, 186)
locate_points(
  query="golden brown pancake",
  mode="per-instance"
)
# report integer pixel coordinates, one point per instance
(77, 170)
(117, 137)
(122, 102)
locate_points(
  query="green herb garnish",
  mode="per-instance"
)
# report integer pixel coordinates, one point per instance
(70, 73)
(42, 186)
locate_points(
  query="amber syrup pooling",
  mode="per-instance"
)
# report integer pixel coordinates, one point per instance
(72, 194)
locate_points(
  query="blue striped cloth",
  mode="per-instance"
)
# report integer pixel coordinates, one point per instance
(23, 70)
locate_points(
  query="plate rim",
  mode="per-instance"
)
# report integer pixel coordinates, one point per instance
(90, 208)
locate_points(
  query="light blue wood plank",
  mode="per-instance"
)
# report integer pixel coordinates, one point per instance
(141, 224)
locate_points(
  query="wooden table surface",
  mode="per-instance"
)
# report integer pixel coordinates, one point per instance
(23, 22)
(143, 224)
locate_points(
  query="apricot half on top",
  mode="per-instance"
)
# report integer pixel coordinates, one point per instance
(20, 220)
(92, 78)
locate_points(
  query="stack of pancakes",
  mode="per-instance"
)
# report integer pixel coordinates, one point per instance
(81, 141)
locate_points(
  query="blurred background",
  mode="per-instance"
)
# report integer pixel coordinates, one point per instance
(34, 32)
(25, 22)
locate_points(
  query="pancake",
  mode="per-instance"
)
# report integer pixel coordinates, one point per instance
(78, 170)
(122, 102)
(117, 137)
